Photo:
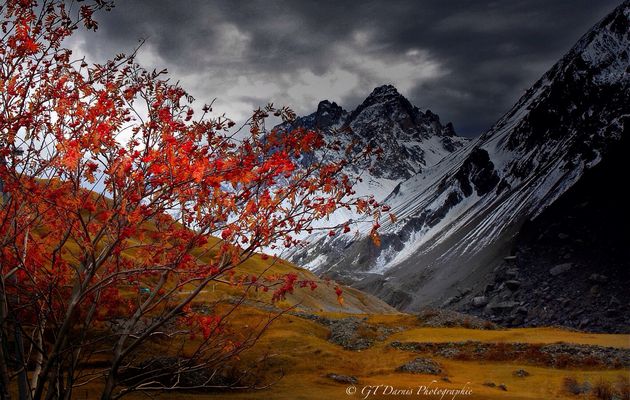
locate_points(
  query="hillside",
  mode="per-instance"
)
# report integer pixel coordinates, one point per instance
(322, 299)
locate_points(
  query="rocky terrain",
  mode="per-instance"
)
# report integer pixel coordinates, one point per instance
(570, 265)
(559, 355)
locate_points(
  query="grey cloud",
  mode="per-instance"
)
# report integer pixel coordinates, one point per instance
(473, 58)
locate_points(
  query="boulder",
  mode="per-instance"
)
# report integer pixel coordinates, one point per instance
(464, 291)
(421, 365)
(560, 269)
(520, 373)
(354, 334)
(479, 301)
(349, 379)
(598, 278)
(449, 301)
(511, 273)
(504, 306)
(522, 310)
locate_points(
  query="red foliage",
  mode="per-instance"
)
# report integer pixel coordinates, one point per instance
(97, 198)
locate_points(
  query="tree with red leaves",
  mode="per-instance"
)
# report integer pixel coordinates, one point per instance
(121, 205)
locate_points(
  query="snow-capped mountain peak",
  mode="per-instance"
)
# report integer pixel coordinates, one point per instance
(410, 140)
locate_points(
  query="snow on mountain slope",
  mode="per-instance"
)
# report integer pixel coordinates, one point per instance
(457, 217)
(410, 141)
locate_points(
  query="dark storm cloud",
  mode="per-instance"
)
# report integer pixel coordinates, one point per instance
(469, 61)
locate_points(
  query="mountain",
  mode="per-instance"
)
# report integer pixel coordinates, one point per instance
(459, 218)
(409, 140)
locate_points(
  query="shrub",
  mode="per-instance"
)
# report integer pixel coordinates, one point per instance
(572, 385)
(487, 325)
(623, 387)
(603, 390)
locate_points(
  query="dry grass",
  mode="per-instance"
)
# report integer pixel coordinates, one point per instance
(522, 335)
(298, 349)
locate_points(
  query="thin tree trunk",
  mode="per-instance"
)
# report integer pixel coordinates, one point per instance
(24, 392)
(39, 359)
(4, 343)
(4, 339)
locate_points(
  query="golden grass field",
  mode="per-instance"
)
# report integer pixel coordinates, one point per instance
(295, 355)
(299, 349)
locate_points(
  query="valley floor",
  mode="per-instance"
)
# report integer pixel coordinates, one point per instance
(301, 352)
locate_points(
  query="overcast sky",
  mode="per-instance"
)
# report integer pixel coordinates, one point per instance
(468, 61)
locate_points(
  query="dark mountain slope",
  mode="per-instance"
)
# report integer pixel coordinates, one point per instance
(572, 263)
